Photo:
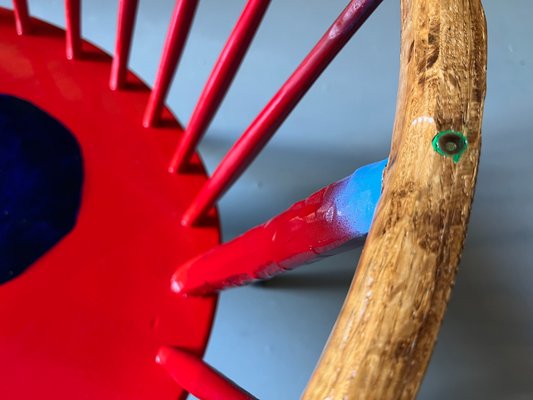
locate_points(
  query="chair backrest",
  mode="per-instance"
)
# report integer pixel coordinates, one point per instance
(429, 53)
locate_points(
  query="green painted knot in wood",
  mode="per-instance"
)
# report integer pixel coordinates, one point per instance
(450, 144)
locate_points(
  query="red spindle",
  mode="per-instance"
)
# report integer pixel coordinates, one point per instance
(127, 10)
(334, 219)
(220, 80)
(178, 31)
(307, 231)
(22, 16)
(198, 378)
(268, 121)
(73, 13)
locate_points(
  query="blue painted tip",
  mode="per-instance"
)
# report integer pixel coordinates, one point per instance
(356, 202)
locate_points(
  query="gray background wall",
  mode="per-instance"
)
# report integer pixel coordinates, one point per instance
(269, 338)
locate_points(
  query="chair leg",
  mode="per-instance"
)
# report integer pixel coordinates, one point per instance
(197, 377)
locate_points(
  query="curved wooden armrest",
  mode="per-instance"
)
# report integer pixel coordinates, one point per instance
(385, 333)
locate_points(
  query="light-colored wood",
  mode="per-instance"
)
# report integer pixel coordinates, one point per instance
(383, 339)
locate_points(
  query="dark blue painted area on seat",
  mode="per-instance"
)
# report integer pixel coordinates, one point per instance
(41, 177)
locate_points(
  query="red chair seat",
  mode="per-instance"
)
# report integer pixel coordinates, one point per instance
(86, 320)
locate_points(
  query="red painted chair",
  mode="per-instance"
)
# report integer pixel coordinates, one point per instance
(105, 323)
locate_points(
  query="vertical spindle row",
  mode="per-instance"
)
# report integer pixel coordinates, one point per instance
(276, 111)
(219, 80)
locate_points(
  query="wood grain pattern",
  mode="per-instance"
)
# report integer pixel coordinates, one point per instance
(383, 339)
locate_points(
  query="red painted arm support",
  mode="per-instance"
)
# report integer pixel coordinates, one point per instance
(198, 378)
(127, 9)
(268, 121)
(219, 81)
(337, 214)
(73, 13)
(22, 16)
(178, 31)
(298, 235)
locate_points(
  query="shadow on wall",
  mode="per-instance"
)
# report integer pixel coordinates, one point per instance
(281, 176)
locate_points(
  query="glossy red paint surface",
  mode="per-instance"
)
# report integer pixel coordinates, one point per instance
(178, 31)
(219, 81)
(127, 10)
(308, 229)
(199, 378)
(276, 111)
(87, 319)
